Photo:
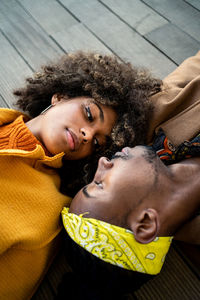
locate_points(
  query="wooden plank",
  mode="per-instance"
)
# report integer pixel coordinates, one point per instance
(78, 37)
(13, 70)
(50, 15)
(119, 37)
(3, 102)
(174, 42)
(138, 15)
(179, 13)
(26, 35)
(175, 281)
(195, 3)
(70, 34)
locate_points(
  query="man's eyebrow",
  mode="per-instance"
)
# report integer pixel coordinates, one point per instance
(85, 192)
(101, 115)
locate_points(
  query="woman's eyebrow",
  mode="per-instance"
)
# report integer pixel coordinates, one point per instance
(101, 115)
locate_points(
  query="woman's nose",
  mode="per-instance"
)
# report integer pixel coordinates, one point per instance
(87, 134)
(105, 163)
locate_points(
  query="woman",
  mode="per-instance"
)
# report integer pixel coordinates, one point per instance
(109, 82)
(93, 105)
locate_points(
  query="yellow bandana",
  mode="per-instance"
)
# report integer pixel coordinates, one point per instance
(116, 245)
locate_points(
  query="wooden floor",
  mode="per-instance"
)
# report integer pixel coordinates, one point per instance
(157, 34)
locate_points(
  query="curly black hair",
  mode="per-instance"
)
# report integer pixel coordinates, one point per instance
(108, 81)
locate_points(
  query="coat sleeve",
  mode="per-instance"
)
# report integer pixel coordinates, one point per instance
(186, 72)
(177, 106)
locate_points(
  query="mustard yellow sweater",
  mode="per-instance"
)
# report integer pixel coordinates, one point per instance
(30, 206)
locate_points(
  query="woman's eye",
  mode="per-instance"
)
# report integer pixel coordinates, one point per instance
(99, 183)
(89, 114)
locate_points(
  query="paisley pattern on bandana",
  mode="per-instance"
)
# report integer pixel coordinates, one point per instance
(116, 245)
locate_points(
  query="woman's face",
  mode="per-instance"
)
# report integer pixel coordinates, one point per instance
(77, 126)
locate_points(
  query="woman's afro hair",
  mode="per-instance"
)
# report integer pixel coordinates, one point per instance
(108, 81)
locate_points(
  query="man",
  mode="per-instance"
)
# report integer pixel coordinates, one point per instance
(135, 190)
(126, 217)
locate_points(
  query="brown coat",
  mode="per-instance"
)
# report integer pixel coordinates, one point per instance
(177, 106)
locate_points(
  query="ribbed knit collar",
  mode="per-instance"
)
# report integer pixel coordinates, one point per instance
(16, 135)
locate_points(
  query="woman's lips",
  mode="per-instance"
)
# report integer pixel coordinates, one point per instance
(72, 140)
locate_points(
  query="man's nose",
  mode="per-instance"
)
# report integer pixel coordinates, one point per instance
(87, 134)
(105, 163)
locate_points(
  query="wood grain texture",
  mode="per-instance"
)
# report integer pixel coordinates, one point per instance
(180, 13)
(26, 35)
(65, 29)
(50, 15)
(78, 37)
(120, 38)
(3, 103)
(194, 3)
(174, 42)
(13, 70)
(138, 15)
(176, 281)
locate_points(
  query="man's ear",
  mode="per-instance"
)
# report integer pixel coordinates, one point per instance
(145, 226)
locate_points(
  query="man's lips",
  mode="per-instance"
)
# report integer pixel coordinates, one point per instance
(72, 139)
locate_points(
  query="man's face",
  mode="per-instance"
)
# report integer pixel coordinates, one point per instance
(119, 185)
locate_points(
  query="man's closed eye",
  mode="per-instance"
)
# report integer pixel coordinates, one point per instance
(99, 184)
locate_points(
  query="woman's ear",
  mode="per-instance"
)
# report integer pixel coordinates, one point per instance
(58, 97)
(54, 99)
(145, 226)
